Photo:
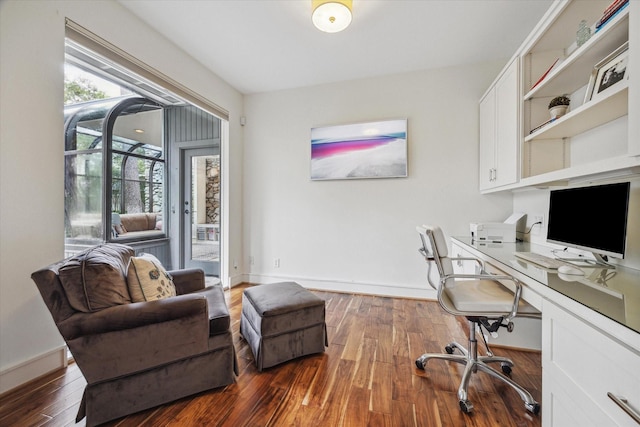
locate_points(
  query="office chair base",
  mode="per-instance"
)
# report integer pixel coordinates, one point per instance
(473, 363)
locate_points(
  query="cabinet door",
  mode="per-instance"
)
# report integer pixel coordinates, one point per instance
(487, 160)
(507, 125)
(580, 364)
(499, 138)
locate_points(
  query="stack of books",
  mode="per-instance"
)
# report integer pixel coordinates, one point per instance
(611, 11)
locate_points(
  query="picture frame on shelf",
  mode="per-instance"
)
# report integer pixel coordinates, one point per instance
(608, 72)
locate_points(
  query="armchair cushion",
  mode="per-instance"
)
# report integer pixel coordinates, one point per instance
(148, 280)
(188, 280)
(96, 279)
(138, 221)
(131, 316)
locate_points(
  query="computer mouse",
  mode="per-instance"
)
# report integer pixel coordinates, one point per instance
(569, 270)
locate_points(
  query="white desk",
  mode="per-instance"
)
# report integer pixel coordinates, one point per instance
(590, 335)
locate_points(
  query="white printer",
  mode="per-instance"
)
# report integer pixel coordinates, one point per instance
(499, 232)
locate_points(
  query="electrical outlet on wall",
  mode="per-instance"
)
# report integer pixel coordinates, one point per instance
(538, 220)
(276, 262)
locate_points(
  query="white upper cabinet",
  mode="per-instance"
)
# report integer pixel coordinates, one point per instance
(499, 119)
(599, 136)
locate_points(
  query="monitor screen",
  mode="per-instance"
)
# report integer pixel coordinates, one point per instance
(590, 218)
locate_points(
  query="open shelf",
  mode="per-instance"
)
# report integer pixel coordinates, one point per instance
(574, 71)
(588, 116)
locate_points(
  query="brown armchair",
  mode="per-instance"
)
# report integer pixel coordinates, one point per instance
(137, 355)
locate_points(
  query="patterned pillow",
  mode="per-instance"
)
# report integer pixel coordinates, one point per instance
(148, 280)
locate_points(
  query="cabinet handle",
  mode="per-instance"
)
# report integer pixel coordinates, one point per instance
(622, 402)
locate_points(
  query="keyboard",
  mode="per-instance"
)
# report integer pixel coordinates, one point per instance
(541, 260)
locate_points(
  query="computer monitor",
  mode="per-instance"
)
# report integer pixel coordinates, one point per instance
(591, 219)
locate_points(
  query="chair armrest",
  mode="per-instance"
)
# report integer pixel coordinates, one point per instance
(134, 315)
(188, 280)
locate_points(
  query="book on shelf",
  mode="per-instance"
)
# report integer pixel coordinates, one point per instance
(611, 12)
(542, 77)
(613, 6)
(540, 126)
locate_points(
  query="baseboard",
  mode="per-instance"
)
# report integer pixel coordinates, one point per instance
(389, 290)
(33, 368)
(236, 280)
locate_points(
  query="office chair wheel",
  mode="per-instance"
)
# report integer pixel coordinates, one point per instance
(466, 406)
(506, 369)
(449, 349)
(534, 408)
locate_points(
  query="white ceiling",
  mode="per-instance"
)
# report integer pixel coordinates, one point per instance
(266, 45)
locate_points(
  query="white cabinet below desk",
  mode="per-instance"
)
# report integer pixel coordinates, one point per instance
(580, 365)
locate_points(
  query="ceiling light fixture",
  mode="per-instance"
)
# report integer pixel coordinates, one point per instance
(331, 16)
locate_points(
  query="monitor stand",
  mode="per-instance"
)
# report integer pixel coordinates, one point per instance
(598, 261)
(602, 260)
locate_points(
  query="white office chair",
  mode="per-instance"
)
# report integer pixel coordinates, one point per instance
(485, 302)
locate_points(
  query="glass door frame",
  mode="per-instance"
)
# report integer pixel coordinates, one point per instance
(187, 236)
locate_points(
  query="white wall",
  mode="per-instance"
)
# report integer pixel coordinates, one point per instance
(360, 234)
(31, 201)
(31, 180)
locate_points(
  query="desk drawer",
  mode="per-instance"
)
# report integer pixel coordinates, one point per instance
(582, 362)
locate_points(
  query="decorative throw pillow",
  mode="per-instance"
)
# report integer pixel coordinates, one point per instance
(95, 279)
(148, 280)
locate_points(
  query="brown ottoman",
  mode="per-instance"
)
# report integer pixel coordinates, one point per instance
(282, 321)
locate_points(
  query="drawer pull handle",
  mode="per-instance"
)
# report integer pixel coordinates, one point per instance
(622, 402)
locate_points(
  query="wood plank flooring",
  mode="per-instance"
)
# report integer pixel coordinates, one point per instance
(366, 377)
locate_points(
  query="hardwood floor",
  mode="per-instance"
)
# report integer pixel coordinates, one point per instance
(366, 377)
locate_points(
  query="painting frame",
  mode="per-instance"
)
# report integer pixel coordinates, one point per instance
(604, 69)
(367, 150)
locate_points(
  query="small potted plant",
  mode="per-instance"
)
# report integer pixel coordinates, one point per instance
(559, 106)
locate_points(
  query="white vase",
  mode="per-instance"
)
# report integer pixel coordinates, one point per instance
(558, 110)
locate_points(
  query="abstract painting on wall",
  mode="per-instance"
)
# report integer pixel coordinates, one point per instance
(363, 150)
